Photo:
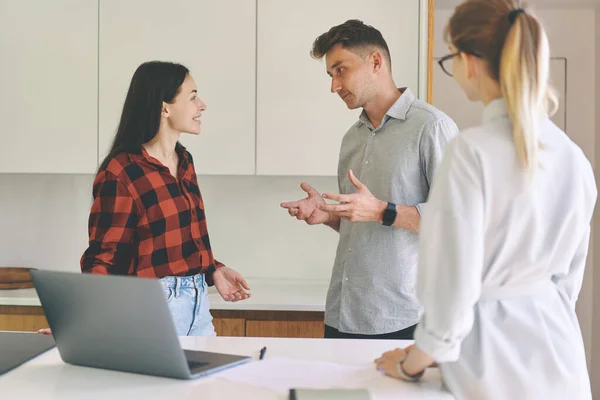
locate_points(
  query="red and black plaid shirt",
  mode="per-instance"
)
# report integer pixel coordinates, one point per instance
(146, 223)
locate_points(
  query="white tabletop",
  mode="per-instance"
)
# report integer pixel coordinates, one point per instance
(47, 377)
(274, 295)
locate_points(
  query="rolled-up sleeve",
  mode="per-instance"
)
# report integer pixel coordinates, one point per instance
(432, 144)
(451, 254)
(111, 227)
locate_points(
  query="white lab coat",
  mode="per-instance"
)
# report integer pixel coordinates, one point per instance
(501, 265)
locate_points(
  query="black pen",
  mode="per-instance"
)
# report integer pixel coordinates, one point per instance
(262, 353)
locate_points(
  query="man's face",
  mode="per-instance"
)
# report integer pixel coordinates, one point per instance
(352, 76)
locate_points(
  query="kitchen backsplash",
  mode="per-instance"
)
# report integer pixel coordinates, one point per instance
(43, 221)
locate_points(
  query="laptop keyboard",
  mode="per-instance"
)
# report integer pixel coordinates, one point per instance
(196, 364)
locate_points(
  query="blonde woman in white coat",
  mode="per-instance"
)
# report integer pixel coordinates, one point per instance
(505, 234)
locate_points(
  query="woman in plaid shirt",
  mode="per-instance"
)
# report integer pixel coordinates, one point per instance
(148, 217)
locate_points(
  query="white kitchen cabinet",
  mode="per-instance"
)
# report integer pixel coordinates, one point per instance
(48, 81)
(68, 65)
(300, 123)
(216, 41)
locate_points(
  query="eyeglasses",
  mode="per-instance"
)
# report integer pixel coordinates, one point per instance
(447, 61)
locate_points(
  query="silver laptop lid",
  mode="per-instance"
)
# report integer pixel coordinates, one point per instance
(111, 322)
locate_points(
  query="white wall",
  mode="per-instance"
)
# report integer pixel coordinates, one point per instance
(571, 35)
(44, 224)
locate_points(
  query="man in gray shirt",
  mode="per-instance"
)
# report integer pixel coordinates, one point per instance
(387, 163)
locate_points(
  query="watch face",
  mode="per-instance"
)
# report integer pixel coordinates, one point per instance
(389, 215)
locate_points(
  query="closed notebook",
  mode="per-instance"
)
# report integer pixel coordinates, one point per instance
(329, 394)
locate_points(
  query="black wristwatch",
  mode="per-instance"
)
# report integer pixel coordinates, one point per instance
(389, 214)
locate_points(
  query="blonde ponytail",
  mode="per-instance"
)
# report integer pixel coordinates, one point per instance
(524, 81)
(515, 47)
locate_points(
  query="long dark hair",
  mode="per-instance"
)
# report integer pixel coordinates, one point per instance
(152, 84)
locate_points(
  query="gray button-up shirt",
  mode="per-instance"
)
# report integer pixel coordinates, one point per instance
(372, 289)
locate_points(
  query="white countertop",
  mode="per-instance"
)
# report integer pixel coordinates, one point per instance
(272, 295)
(19, 297)
(48, 378)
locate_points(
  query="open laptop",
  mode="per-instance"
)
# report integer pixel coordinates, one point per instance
(119, 323)
(17, 348)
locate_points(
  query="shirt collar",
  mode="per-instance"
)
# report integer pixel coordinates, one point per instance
(184, 162)
(495, 109)
(398, 110)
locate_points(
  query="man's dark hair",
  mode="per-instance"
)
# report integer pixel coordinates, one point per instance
(353, 35)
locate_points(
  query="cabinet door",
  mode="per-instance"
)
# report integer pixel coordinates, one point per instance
(229, 326)
(216, 41)
(285, 329)
(300, 123)
(22, 318)
(48, 81)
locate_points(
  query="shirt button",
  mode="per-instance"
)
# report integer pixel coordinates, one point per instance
(346, 279)
(372, 133)
(350, 249)
(366, 162)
